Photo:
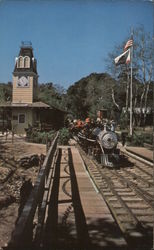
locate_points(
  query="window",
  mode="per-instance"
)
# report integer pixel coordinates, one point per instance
(21, 118)
(26, 62)
(20, 62)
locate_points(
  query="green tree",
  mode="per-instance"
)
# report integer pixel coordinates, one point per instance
(5, 92)
(142, 73)
(54, 95)
(90, 94)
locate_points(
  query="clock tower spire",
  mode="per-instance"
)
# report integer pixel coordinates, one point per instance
(25, 77)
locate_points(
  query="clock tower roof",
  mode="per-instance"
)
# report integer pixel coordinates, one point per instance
(26, 51)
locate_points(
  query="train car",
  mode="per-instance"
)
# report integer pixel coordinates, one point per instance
(101, 142)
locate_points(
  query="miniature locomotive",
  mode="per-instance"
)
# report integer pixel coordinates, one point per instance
(99, 140)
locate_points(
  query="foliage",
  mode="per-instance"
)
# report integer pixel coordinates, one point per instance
(54, 95)
(36, 136)
(138, 139)
(142, 73)
(90, 94)
(123, 121)
(105, 90)
(5, 92)
(64, 136)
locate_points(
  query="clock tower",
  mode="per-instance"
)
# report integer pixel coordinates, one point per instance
(25, 77)
(26, 110)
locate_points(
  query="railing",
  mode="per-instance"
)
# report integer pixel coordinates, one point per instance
(22, 236)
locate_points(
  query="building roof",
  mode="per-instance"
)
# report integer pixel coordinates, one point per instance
(137, 110)
(31, 105)
(24, 105)
(27, 50)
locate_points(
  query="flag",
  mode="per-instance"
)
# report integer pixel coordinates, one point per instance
(128, 57)
(123, 58)
(128, 44)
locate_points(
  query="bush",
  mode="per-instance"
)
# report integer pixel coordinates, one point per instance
(139, 139)
(148, 138)
(33, 135)
(123, 121)
(64, 136)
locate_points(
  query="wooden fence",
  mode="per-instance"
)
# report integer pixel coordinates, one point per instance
(35, 207)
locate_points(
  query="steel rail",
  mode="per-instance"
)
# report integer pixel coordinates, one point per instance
(137, 224)
(138, 177)
(117, 209)
(142, 193)
(143, 170)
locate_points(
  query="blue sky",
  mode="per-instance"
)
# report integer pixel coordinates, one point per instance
(71, 38)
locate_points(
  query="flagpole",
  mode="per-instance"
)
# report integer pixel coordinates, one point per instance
(131, 90)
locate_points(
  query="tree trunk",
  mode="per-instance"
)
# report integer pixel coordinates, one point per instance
(113, 99)
(141, 105)
(144, 82)
(145, 104)
(135, 121)
(146, 95)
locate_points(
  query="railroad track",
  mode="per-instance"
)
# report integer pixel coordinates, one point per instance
(128, 192)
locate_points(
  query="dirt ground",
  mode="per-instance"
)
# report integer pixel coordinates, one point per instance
(11, 179)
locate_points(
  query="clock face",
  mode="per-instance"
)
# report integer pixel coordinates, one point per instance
(23, 82)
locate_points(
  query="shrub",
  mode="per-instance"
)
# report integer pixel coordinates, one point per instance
(139, 139)
(36, 136)
(64, 136)
(123, 121)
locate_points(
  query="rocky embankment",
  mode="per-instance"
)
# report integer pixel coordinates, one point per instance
(18, 162)
(13, 172)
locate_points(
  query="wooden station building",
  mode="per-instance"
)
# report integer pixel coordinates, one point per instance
(24, 109)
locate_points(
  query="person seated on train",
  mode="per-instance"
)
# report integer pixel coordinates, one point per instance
(87, 120)
(98, 120)
(87, 126)
(79, 125)
(72, 127)
(106, 125)
(112, 126)
(99, 123)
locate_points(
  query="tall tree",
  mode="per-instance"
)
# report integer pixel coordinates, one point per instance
(142, 72)
(54, 95)
(143, 61)
(90, 94)
(5, 92)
